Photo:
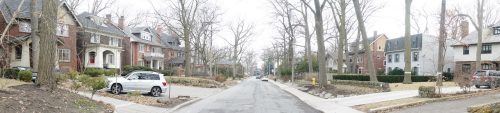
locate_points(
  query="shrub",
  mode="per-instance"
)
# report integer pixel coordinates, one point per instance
(427, 92)
(384, 78)
(220, 78)
(95, 83)
(285, 71)
(447, 76)
(93, 72)
(485, 108)
(376, 85)
(109, 72)
(11, 73)
(396, 71)
(73, 75)
(25, 76)
(167, 72)
(61, 77)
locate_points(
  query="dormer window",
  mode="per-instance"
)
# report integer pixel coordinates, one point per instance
(496, 30)
(146, 36)
(62, 30)
(24, 26)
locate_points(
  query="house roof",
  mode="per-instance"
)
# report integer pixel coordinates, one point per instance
(133, 33)
(9, 7)
(471, 39)
(87, 23)
(397, 44)
(170, 41)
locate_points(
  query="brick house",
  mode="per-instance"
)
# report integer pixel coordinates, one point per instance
(377, 47)
(173, 51)
(144, 46)
(19, 37)
(465, 51)
(424, 55)
(99, 42)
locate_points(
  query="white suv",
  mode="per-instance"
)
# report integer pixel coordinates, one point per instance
(143, 81)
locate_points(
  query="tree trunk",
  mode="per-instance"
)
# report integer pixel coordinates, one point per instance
(356, 53)
(480, 11)
(373, 76)
(34, 36)
(407, 43)
(342, 36)
(48, 45)
(187, 52)
(442, 36)
(318, 17)
(307, 36)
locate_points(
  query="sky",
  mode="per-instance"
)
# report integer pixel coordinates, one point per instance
(388, 20)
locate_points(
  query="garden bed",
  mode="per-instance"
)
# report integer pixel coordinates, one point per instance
(192, 81)
(163, 102)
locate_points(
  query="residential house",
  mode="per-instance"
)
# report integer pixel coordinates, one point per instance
(173, 51)
(19, 34)
(99, 42)
(424, 55)
(376, 47)
(465, 50)
(146, 48)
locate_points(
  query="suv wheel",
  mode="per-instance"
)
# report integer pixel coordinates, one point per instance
(116, 89)
(477, 86)
(155, 91)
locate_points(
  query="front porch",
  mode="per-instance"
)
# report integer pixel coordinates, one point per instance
(102, 57)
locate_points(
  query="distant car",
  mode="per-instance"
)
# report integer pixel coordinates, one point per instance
(258, 77)
(265, 79)
(143, 81)
(490, 78)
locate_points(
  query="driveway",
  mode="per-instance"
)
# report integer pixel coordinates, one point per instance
(250, 96)
(456, 106)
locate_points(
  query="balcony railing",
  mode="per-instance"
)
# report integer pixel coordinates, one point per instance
(152, 54)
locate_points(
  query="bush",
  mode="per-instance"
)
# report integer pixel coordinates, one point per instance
(109, 72)
(73, 75)
(191, 81)
(376, 85)
(447, 76)
(94, 72)
(61, 77)
(285, 71)
(396, 71)
(485, 108)
(25, 76)
(95, 83)
(11, 73)
(384, 78)
(128, 69)
(427, 92)
(167, 72)
(220, 78)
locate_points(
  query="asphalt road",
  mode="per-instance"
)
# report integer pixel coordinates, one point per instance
(456, 106)
(250, 96)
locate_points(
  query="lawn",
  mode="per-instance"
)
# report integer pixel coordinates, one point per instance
(415, 85)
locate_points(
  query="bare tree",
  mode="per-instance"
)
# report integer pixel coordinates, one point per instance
(242, 33)
(97, 6)
(181, 20)
(442, 36)
(407, 43)
(35, 39)
(46, 78)
(318, 17)
(373, 76)
(73, 4)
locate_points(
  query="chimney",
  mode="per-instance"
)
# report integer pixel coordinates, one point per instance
(464, 29)
(159, 29)
(375, 35)
(121, 22)
(108, 18)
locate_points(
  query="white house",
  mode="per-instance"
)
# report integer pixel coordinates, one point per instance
(465, 51)
(424, 55)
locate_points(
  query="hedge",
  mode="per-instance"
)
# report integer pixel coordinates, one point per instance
(377, 85)
(384, 78)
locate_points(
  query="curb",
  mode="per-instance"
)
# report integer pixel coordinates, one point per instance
(183, 105)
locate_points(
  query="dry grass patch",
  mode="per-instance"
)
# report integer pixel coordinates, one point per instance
(6, 83)
(415, 85)
(403, 101)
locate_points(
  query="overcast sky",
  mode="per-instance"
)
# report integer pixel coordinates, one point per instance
(388, 20)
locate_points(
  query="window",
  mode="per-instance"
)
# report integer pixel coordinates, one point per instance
(95, 38)
(466, 50)
(24, 27)
(415, 56)
(396, 58)
(156, 50)
(92, 57)
(466, 67)
(140, 63)
(389, 58)
(64, 55)
(19, 52)
(486, 49)
(486, 66)
(62, 30)
(111, 59)
(141, 47)
(496, 30)
(146, 36)
(113, 41)
(153, 77)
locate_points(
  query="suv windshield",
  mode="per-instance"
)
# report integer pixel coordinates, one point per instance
(480, 73)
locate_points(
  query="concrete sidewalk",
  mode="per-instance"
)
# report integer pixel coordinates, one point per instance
(316, 102)
(126, 106)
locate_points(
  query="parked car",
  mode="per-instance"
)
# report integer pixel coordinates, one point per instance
(142, 81)
(265, 79)
(33, 74)
(490, 78)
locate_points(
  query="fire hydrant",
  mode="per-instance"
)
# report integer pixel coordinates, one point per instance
(313, 81)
